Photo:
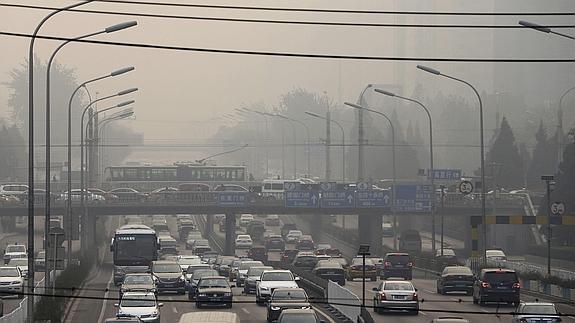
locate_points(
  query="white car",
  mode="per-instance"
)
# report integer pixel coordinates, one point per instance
(188, 260)
(17, 190)
(244, 241)
(14, 251)
(495, 255)
(21, 263)
(272, 279)
(245, 219)
(11, 281)
(141, 305)
(88, 196)
(293, 236)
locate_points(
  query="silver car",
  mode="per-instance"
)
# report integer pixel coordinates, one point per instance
(394, 295)
(536, 312)
(141, 305)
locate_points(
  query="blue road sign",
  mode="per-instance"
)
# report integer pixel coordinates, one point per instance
(306, 198)
(413, 198)
(337, 199)
(232, 199)
(373, 198)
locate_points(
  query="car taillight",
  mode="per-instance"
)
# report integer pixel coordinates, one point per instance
(523, 320)
(485, 285)
(382, 296)
(387, 264)
(517, 285)
(414, 297)
(410, 264)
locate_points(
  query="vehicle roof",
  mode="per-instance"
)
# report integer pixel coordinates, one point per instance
(328, 263)
(297, 311)
(139, 294)
(160, 262)
(484, 270)
(214, 277)
(209, 317)
(278, 271)
(135, 229)
(396, 254)
(538, 303)
(288, 289)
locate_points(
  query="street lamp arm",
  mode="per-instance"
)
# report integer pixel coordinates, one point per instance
(201, 161)
(563, 96)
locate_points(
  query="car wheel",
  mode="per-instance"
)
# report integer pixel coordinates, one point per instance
(481, 301)
(475, 300)
(410, 277)
(373, 279)
(415, 312)
(190, 297)
(258, 300)
(181, 292)
(198, 305)
(469, 293)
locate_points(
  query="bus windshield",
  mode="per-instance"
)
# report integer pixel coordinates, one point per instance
(135, 249)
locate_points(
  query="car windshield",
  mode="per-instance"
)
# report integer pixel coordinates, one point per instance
(138, 301)
(16, 248)
(247, 264)
(257, 271)
(500, 277)
(299, 318)
(193, 269)
(189, 261)
(167, 268)
(403, 259)
(398, 286)
(495, 253)
(277, 276)
(289, 295)
(138, 280)
(359, 261)
(539, 309)
(458, 271)
(227, 261)
(213, 283)
(203, 273)
(9, 272)
(18, 262)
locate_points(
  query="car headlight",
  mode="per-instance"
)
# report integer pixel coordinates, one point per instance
(305, 307)
(202, 294)
(182, 278)
(275, 308)
(16, 283)
(264, 288)
(227, 294)
(155, 313)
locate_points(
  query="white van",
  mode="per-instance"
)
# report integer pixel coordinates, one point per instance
(210, 317)
(273, 188)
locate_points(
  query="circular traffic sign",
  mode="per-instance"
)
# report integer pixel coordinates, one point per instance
(557, 208)
(466, 187)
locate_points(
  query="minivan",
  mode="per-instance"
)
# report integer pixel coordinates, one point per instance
(410, 241)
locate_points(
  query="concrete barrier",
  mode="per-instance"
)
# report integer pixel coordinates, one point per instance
(342, 299)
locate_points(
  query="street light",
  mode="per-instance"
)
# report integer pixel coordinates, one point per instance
(342, 141)
(116, 117)
(69, 204)
(482, 150)
(430, 161)
(359, 107)
(121, 93)
(544, 29)
(360, 136)
(110, 29)
(245, 111)
(31, 184)
(549, 181)
(266, 115)
(307, 135)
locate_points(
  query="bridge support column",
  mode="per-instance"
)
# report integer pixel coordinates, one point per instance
(369, 231)
(315, 223)
(88, 233)
(209, 229)
(229, 246)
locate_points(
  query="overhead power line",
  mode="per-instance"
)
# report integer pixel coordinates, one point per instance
(297, 55)
(291, 22)
(346, 11)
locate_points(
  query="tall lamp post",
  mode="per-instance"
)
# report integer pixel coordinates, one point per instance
(69, 179)
(110, 29)
(356, 106)
(31, 184)
(543, 29)
(123, 104)
(246, 110)
(277, 115)
(549, 181)
(360, 136)
(342, 140)
(116, 117)
(482, 151)
(430, 161)
(307, 135)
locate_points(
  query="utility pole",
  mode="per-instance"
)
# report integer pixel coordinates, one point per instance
(549, 180)
(327, 142)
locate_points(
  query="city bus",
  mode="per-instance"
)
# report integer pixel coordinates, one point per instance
(134, 246)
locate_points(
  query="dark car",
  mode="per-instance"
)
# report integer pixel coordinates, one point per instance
(195, 279)
(214, 291)
(275, 242)
(305, 243)
(252, 277)
(224, 266)
(168, 276)
(230, 188)
(397, 264)
(286, 298)
(330, 270)
(332, 252)
(496, 285)
(455, 279)
(305, 259)
(299, 316)
(137, 283)
(288, 255)
(256, 230)
(258, 253)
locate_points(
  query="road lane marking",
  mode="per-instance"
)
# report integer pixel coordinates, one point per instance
(245, 311)
(429, 291)
(175, 310)
(484, 311)
(103, 309)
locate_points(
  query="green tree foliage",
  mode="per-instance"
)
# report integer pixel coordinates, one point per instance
(12, 154)
(543, 161)
(505, 152)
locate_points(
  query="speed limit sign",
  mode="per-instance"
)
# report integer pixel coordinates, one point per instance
(557, 208)
(466, 187)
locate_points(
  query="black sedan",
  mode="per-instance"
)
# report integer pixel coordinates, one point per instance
(286, 298)
(214, 291)
(455, 279)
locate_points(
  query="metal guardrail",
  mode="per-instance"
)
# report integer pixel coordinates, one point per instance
(20, 313)
(344, 301)
(528, 268)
